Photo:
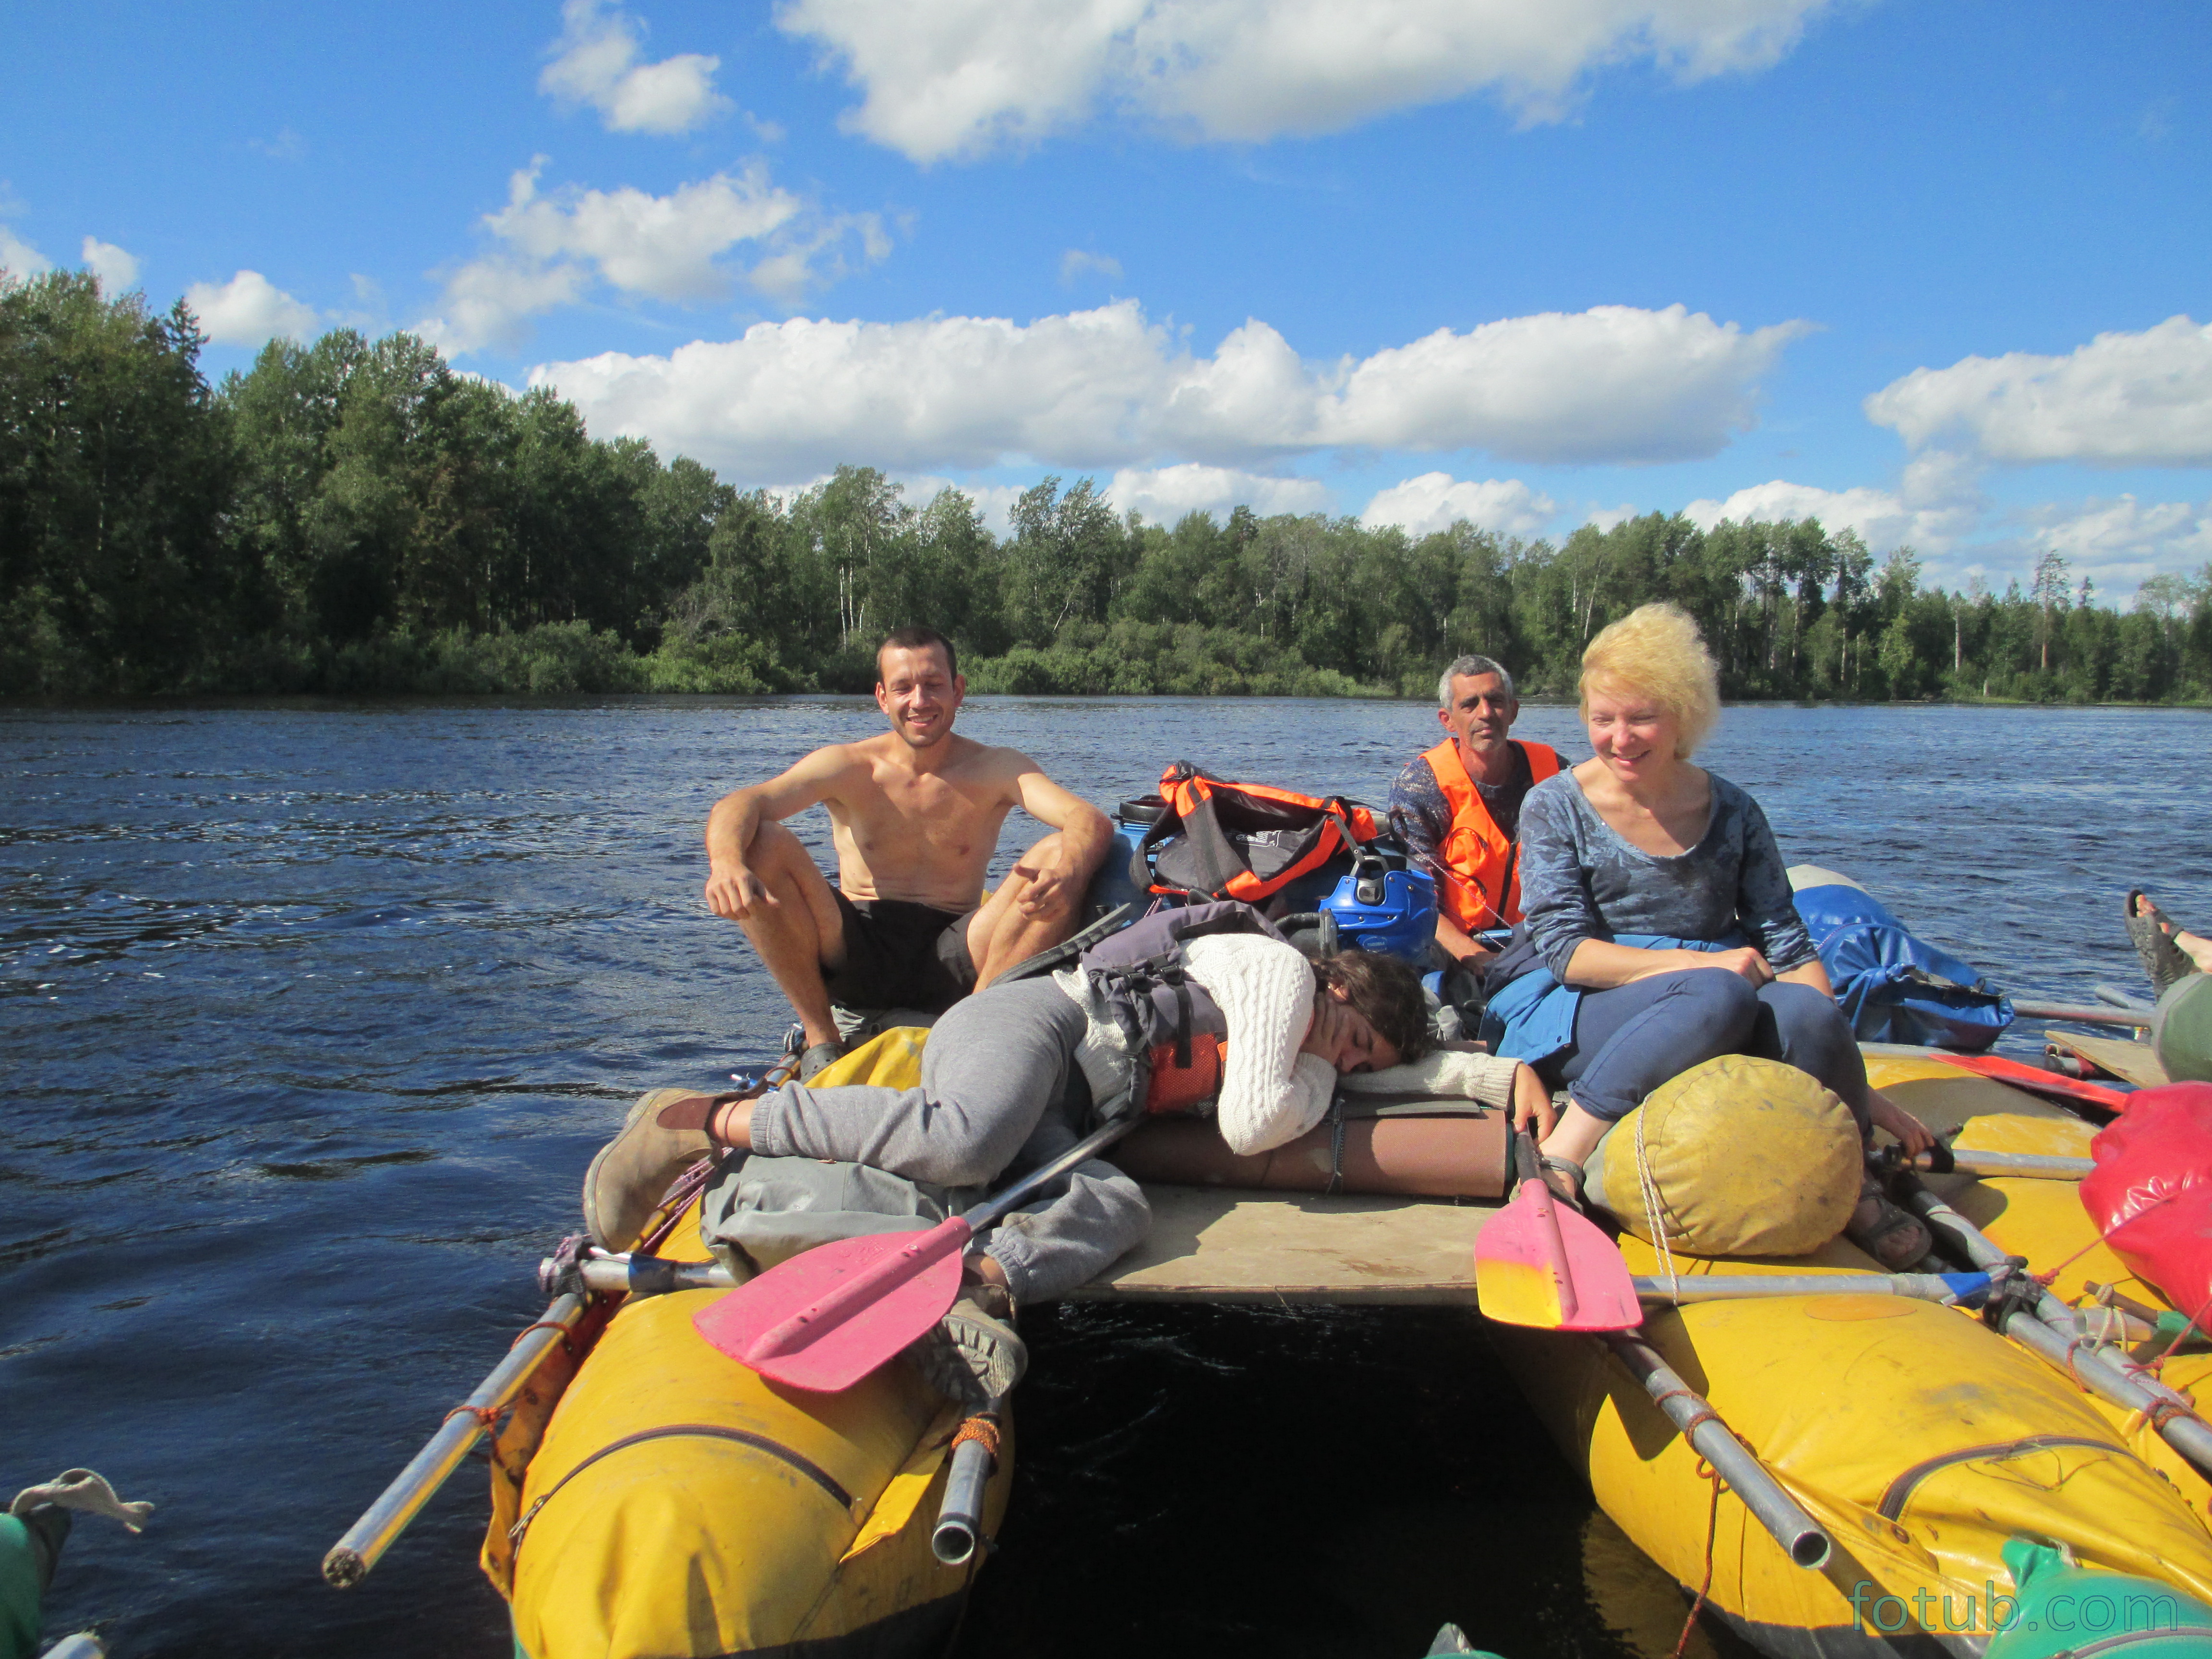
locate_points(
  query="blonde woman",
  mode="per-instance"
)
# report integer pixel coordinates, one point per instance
(1660, 929)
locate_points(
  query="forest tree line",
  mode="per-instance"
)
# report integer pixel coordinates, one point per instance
(353, 517)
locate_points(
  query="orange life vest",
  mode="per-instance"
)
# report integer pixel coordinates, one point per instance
(1187, 1088)
(1480, 884)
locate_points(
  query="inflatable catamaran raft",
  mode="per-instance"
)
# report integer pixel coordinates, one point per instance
(652, 1496)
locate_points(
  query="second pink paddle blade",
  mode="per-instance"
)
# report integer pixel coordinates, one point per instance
(837, 1355)
(1518, 1276)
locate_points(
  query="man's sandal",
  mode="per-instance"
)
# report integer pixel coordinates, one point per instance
(2151, 931)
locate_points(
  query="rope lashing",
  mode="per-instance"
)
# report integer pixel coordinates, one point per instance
(2196, 1322)
(1705, 1472)
(2155, 1416)
(568, 1336)
(1704, 1415)
(1649, 1189)
(487, 1417)
(2104, 1326)
(979, 1428)
(2047, 1279)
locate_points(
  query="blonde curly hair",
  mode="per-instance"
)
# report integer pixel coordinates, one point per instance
(1655, 651)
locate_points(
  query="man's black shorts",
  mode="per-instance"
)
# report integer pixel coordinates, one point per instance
(901, 955)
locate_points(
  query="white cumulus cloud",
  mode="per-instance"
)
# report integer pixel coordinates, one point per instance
(2119, 542)
(661, 246)
(1613, 383)
(1939, 504)
(2141, 399)
(118, 270)
(247, 310)
(597, 61)
(1109, 387)
(1164, 494)
(944, 78)
(19, 259)
(1437, 501)
(555, 246)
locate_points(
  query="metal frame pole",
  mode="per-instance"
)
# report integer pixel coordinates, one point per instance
(381, 1524)
(2052, 1331)
(1728, 1287)
(960, 1517)
(1802, 1539)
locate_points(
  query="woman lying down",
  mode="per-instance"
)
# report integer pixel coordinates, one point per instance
(1016, 1074)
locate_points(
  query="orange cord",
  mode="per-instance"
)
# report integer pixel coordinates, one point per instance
(1705, 1472)
(985, 1428)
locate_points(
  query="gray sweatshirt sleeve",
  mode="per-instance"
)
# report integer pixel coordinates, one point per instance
(1555, 894)
(1764, 903)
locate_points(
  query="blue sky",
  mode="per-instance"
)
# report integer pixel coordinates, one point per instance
(1934, 270)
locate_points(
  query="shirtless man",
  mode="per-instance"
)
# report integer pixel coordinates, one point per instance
(915, 815)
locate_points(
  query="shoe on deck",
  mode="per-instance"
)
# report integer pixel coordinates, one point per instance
(633, 1171)
(972, 1355)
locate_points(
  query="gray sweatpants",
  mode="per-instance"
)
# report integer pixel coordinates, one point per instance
(990, 1107)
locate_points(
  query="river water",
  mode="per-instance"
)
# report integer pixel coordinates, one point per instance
(314, 1015)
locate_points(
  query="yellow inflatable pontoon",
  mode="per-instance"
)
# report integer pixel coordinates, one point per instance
(1920, 1438)
(652, 1498)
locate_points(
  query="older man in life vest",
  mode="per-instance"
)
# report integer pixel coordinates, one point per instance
(1458, 805)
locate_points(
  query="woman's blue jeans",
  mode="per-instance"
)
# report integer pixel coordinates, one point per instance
(1631, 1039)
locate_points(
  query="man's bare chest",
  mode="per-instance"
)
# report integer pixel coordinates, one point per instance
(925, 817)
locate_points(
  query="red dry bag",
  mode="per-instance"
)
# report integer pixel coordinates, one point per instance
(2151, 1192)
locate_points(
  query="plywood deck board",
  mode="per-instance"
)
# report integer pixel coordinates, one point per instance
(2129, 1060)
(1211, 1244)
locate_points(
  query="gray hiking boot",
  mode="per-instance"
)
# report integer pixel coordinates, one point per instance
(664, 1134)
(973, 1357)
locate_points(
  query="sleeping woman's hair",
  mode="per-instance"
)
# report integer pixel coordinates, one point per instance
(1384, 992)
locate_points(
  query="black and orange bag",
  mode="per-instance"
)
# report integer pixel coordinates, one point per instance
(1213, 839)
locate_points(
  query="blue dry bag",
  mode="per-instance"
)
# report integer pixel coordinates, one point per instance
(1892, 986)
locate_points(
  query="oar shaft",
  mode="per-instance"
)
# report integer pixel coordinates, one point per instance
(381, 1524)
(2076, 1013)
(1802, 1537)
(1012, 1198)
(1529, 1168)
(1716, 1287)
(2052, 1331)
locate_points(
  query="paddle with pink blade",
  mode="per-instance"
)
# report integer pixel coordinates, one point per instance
(1538, 1264)
(829, 1315)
